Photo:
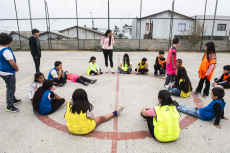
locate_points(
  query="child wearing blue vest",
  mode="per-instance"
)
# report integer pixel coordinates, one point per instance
(57, 74)
(80, 115)
(163, 120)
(45, 101)
(214, 110)
(93, 68)
(126, 65)
(8, 67)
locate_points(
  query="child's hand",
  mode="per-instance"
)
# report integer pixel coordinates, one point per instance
(218, 126)
(98, 73)
(226, 118)
(174, 67)
(136, 72)
(17, 68)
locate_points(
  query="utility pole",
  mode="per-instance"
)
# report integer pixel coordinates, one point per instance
(77, 26)
(214, 20)
(108, 15)
(140, 26)
(203, 25)
(18, 25)
(30, 16)
(92, 20)
(171, 24)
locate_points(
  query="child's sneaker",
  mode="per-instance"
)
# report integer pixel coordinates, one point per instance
(196, 92)
(107, 70)
(112, 71)
(17, 101)
(166, 86)
(120, 108)
(93, 81)
(138, 73)
(204, 96)
(155, 74)
(92, 74)
(219, 86)
(86, 83)
(11, 109)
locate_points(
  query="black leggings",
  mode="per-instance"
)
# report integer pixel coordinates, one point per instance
(108, 53)
(62, 80)
(150, 125)
(82, 80)
(56, 104)
(207, 86)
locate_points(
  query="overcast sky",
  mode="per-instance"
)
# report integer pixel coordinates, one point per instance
(118, 8)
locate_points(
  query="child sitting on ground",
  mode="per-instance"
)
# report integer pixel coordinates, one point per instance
(224, 80)
(206, 70)
(38, 80)
(142, 67)
(126, 65)
(178, 64)
(78, 78)
(80, 116)
(93, 68)
(8, 68)
(45, 101)
(171, 63)
(160, 63)
(214, 110)
(182, 86)
(163, 120)
(57, 75)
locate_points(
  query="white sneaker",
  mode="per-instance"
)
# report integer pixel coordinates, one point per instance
(112, 71)
(166, 86)
(107, 70)
(219, 86)
(120, 108)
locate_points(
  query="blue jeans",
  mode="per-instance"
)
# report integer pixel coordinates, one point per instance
(125, 72)
(175, 91)
(189, 110)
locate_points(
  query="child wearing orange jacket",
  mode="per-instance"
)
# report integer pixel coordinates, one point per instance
(206, 70)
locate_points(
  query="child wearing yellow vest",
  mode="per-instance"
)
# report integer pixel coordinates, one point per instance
(163, 120)
(142, 67)
(93, 68)
(182, 86)
(224, 80)
(206, 70)
(80, 116)
(126, 65)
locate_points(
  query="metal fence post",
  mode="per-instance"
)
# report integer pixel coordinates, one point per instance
(18, 25)
(77, 26)
(140, 26)
(203, 25)
(47, 29)
(30, 16)
(108, 15)
(214, 20)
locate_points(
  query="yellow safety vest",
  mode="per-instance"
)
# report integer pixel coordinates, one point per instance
(125, 68)
(183, 94)
(142, 66)
(166, 124)
(93, 65)
(78, 123)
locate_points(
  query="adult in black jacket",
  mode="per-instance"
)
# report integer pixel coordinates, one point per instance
(35, 48)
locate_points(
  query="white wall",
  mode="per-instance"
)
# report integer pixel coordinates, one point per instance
(127, 33)
(46, 35)
(16, 37)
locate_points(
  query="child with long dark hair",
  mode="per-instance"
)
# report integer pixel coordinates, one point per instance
(206, 70)
(93, 68)
(80, 116)
(107, 42)
(126, 65)
(182, 86)
(45, 101)
(163, 120)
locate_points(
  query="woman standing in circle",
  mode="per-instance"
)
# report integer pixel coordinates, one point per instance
(107, 42)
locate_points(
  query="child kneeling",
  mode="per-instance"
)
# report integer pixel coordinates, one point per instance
(80, 116)
(214, 110)
(163, 120)
(45, 101)
(78, 78)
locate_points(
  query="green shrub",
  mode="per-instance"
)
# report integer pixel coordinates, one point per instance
(25, 48)
(118, 49)
(15, 48)
(97, 48)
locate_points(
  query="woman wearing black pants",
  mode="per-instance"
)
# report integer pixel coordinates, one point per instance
(107, 42)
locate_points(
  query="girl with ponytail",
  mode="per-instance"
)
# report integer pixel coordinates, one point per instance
(163, 120)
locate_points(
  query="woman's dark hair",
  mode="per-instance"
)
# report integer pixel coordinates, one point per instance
(80, 102)
(57, 63)
(127, 56)
(106, 35)
(37, 75)
(92, 58)
(164, 95)
(5, 39)
(47, 84)
(182, 74)
(210, 48)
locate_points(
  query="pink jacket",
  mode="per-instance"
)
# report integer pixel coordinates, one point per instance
(105, 43)
(73, 77)
(212, 66)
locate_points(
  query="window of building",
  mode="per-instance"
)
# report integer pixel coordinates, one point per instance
(181, 27)
(221, 27)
